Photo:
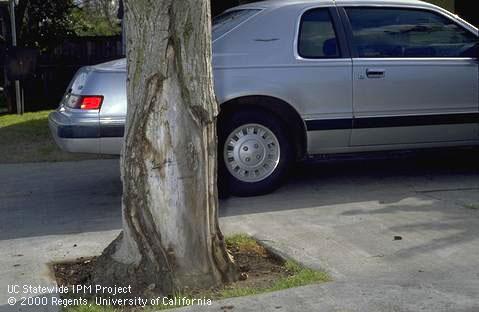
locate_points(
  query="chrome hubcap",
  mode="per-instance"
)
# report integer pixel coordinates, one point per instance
(251, 153)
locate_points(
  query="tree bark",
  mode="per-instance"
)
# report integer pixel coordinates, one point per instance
(171, 240)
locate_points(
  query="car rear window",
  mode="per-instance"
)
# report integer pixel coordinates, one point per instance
(79, 81)
(227, 21)
(317, 38)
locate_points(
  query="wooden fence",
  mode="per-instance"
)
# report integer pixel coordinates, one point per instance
(44, 89)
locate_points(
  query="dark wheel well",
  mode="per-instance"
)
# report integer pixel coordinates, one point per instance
(284, 111)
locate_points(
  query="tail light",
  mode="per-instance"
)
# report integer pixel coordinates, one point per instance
(91, 102)
(84, 102)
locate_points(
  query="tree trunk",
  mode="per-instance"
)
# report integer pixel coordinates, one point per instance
(171, 240)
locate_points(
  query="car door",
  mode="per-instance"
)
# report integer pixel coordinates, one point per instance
(415, 77)
(322, 79)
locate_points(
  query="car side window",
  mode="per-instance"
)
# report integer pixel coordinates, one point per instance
(317, 38)
(397, 32)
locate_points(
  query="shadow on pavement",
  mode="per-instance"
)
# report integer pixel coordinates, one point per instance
(381, 177)
(67, 198)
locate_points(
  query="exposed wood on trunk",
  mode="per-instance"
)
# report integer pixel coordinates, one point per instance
(171, 239)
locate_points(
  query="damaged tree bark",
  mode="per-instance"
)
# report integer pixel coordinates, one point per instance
(171, 240)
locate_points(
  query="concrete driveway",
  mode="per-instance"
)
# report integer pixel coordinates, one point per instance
(398, 234)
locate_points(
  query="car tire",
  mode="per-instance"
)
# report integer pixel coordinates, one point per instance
(254, 153)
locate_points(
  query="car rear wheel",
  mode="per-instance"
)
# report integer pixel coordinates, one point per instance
(254, 153)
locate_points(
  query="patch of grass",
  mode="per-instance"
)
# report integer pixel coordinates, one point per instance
(266, 272)
(27, 138)
(241, 241)
(300, 276)
(13, 119)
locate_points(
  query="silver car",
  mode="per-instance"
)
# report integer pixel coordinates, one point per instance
(300, 78)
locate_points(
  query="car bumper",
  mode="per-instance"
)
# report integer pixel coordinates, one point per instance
(75, 135)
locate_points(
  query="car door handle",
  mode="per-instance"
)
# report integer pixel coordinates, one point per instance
(375, 73)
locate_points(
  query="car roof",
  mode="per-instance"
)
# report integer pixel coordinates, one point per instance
(276, 4)
(271, 4)
(118, 65)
